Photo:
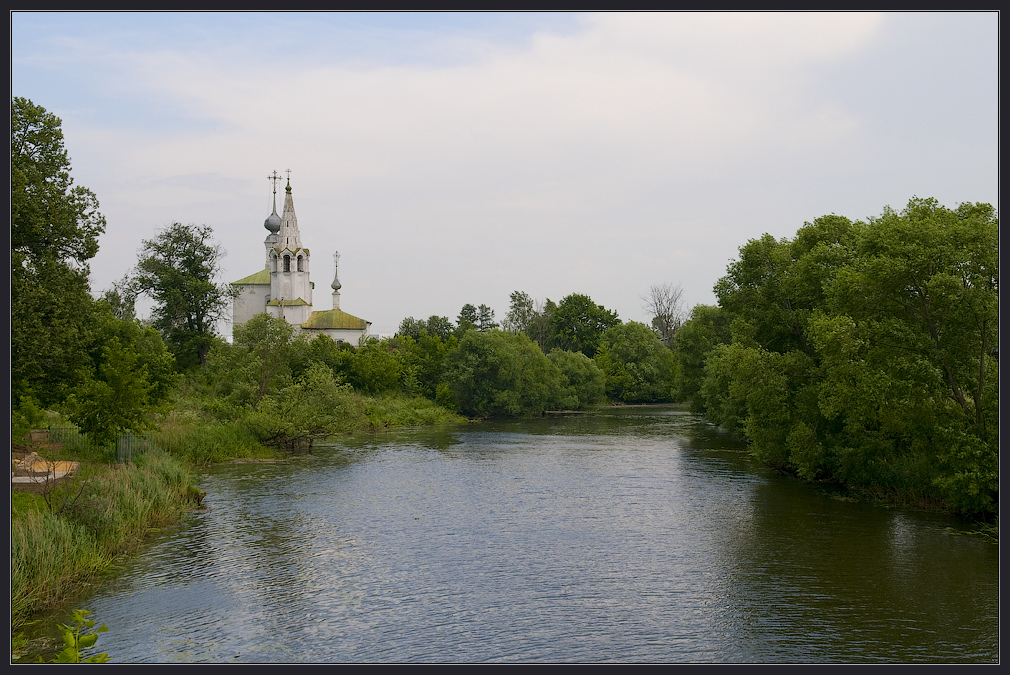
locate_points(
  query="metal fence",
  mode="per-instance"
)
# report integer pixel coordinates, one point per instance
(128, 445)
(68, 434)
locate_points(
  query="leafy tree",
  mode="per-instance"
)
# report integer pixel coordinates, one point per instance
(707, 328)
(864, 352)
(466, 320)
(128, 371)
(374, 368)
(539, 328)
(178, 269)
(267, 340)
(314, 406)
(582, 383)
(577, 324)
(636, 365)
(51, 219)
(412, 327)
(54, 233)
(520, 314)
(501, 374)
(423, 362)
(440, 327)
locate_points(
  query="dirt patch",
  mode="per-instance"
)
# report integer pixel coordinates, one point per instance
(32, 472)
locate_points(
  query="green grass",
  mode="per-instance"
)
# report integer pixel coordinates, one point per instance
(207, 442)
(397, 410)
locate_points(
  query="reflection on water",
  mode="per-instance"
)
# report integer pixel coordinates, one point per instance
(639, 535)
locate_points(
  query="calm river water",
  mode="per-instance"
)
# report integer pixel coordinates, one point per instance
(639, 534)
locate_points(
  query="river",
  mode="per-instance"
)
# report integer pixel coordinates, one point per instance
(634, 535)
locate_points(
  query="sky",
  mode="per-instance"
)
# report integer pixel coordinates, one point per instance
(454, 158)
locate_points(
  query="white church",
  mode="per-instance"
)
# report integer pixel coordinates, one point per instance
(283, 288)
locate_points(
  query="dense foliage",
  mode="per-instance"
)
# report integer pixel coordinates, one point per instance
(862, 352)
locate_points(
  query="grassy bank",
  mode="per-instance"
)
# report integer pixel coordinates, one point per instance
(63, 538)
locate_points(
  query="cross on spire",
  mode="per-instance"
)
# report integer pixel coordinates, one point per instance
(274, 177)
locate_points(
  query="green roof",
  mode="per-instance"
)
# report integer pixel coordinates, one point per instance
(334, 318)
(261, 277)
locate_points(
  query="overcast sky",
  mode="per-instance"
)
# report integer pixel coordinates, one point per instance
(455, 158)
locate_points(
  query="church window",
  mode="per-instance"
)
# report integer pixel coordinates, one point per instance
(287, 263)
(300, 264)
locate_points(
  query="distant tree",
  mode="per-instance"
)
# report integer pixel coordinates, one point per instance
(178, 269)
(665, 305)
(440, 327)
(520, 314)
(266, 339)
(485, 319)
(374, 368)
(539, 328)
(466, 320)
(121, 298)
(412, 327)
(578, 323)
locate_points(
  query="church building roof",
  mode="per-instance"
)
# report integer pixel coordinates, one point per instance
(335, 318)
(261, 277)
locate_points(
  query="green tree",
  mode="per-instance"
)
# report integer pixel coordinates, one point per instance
(314, 406)
(178, 270)
(863, 352)
(520, 314)
(466, 320)
(501, 374)
(440, 327)
(128, 372)
(267, 339)
(52, 220)
(412, 327)
(485, 319)
(577, 324)
(54, 233)
(539, 328)
(423, 362)
(707, 327)
(583, 384)
(638, 368)
(922, 295)
(374, 368)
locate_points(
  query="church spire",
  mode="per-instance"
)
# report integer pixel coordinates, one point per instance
(288, 236)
